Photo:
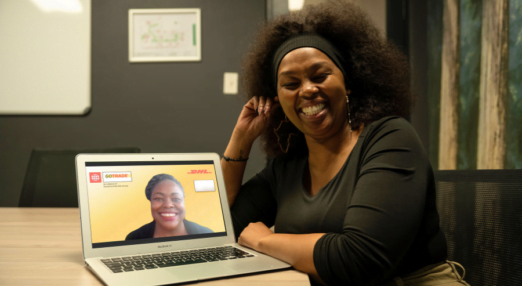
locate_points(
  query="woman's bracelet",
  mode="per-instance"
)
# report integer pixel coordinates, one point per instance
(241, 159)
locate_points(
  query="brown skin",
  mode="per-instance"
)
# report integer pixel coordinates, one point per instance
(306, 77)
(167, 205)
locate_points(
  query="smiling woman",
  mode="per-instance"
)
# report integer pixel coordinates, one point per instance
(349, 187)
(167, 199)
(374, 70)
(302, 73)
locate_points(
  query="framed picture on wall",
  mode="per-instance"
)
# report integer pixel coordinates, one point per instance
(164, 35)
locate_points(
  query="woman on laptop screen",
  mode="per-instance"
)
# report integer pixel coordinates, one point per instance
(167, 204)
(348, 185)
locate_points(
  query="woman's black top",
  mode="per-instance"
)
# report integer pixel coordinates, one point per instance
(147, 230)
(378, 212)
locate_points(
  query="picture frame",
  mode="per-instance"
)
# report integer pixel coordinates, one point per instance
(164, 35)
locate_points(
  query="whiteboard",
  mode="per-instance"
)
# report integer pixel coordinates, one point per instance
(45, 57)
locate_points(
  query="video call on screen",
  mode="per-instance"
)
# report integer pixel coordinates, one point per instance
(143, 202)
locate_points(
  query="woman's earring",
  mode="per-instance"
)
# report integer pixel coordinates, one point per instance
(348, 110)
(285, 150)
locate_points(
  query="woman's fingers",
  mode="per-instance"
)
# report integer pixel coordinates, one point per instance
(254, 117)
(256, 103)
(270, 104)
(261, 107)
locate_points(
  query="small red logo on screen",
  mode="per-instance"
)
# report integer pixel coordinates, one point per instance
(95, 177)
(199, 172)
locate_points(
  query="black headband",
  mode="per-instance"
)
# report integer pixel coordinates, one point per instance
(307, 40)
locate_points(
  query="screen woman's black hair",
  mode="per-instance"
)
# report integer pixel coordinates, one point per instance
(158, 179)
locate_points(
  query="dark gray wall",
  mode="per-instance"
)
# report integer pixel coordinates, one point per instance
(159, 107)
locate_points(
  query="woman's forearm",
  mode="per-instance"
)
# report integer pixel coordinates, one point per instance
(252, 122)
(233, 171)
(296, 249)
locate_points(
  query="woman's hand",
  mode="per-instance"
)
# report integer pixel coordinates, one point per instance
(252, 234)
(253, 119)
(296, 249)
(252, 122)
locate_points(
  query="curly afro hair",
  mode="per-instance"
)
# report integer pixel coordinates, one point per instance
(377, 73)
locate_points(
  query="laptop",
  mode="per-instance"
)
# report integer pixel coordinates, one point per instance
(158, 219)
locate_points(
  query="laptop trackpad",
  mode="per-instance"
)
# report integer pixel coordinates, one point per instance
(201, 271)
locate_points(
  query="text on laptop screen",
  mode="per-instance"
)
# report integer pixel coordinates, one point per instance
(143, 202)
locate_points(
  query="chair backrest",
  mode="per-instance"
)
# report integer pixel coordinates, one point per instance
(50, 180)
(481, 216)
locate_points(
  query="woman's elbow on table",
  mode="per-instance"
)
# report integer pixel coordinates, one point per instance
(351, 259)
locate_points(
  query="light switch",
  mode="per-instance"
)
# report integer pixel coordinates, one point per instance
(230, 83)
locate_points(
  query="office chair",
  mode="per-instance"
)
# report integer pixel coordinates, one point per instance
(481, 216)
(50, 180)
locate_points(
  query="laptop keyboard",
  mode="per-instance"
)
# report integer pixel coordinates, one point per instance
(169, 259)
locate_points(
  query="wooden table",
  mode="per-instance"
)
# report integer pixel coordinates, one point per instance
(42, 246)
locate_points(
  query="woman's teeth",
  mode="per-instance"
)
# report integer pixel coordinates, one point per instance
(312, 110)
(165, 214)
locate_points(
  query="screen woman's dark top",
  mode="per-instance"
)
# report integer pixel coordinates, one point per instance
(147, 231)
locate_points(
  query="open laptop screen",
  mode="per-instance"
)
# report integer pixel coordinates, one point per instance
(143, 202)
